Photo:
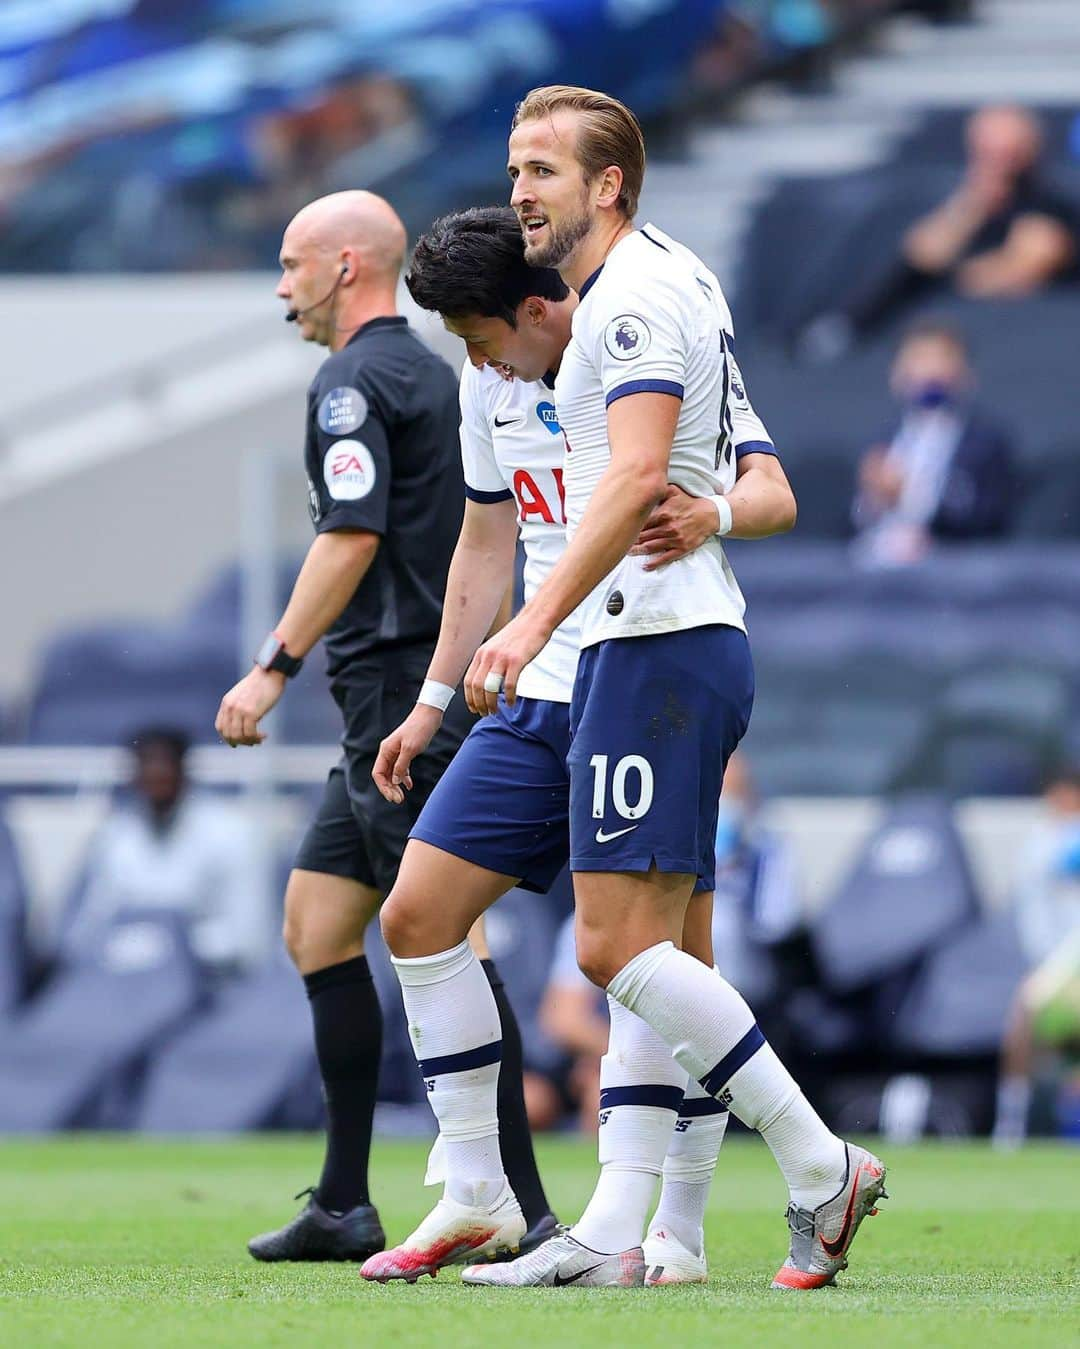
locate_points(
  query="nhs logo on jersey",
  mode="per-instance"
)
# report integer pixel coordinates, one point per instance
(546, 413)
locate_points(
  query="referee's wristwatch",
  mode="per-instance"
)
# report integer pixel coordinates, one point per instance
(273, 656)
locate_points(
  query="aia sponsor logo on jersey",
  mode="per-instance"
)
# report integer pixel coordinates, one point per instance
(534, 502)
(348, 470)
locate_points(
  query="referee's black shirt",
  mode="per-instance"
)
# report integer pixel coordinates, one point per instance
(383, 455)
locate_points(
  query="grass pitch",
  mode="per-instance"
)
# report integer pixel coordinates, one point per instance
(124, 1242)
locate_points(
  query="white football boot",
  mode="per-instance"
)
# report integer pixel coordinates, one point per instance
(667, 1260)
(449, 1234)
(562, 1262)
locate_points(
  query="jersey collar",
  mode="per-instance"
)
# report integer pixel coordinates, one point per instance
(383, 321)
(589, 282)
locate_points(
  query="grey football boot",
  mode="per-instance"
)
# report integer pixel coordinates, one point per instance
(562, 1262)
(821, 1239)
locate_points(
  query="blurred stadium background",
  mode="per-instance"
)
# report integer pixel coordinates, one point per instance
(152, 504)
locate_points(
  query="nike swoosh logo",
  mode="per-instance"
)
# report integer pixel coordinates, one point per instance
(561, 1283)
(601, 837)
(509, 421)
(835, 1248)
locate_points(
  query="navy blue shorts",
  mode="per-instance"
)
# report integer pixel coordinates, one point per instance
(503, 803)
(654, 721)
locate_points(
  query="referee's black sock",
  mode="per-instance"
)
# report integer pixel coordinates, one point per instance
(348, 1042)
(515, 1140)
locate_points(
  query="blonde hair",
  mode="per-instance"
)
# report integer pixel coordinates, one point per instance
(609, 134)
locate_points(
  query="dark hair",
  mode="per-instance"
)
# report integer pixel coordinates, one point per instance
(938, 330)
(171, 739)
(473, 262)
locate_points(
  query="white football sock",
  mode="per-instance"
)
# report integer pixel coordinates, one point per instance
(713, 1034)
(689, 1166)
(641, 1087)
(454, 1028)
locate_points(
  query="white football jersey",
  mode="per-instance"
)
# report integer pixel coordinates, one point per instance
(512, 447)
(653, 319)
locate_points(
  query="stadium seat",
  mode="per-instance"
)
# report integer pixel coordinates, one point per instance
(97, 686)
(73, 1057)
(14, 956)
(958, 1003)
(997, 732)
(910, 886)
(247, 1063)
(1051, 504)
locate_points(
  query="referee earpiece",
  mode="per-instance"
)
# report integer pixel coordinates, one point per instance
(345, 271)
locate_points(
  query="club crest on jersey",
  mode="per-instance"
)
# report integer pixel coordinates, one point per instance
(627, 337)
(349, 470)
(549, 418)
(342, 410)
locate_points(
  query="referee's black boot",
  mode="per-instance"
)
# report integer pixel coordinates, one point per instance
(317, 1234)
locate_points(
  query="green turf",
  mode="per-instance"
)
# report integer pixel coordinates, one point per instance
(122, 1242)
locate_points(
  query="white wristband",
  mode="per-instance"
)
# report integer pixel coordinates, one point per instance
(434, 694)
(723, 510)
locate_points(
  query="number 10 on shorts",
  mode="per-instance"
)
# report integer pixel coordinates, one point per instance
(629, 763)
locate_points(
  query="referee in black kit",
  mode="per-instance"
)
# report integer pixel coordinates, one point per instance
(386, 497)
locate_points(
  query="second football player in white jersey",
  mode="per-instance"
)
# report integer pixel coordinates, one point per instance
(646, 393)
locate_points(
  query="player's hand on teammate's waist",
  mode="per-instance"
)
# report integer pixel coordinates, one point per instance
(245, 704)
(678, 525)
(499, 662)
(396, 753)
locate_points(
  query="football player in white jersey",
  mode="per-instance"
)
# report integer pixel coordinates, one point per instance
(648, 392)
(499, 816)
(506, 810)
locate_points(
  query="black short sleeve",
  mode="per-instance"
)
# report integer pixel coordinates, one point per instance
(382, 455)
(349, 462)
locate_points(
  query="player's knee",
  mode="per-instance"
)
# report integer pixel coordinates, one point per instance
(597, 958)
(397, 919)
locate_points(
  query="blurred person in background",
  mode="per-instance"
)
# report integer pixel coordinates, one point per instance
(756, 906)
(1003, 232)
(574, 1018)
(172, 847)
(1046, 1011)
(946, 472)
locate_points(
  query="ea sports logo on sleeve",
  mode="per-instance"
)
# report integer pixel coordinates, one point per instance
(349, 470)
(627, 337)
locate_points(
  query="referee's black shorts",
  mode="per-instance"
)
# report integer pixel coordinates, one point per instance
(355, 832)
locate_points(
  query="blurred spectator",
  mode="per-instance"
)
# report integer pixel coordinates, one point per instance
(1002, 232)
(756, 903)
(574, 1018)
(946, 472)
(1047, 1008)
(174, 848)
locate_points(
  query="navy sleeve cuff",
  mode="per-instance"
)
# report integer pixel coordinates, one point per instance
(488, 498)
(644, 386)
(755, 447)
